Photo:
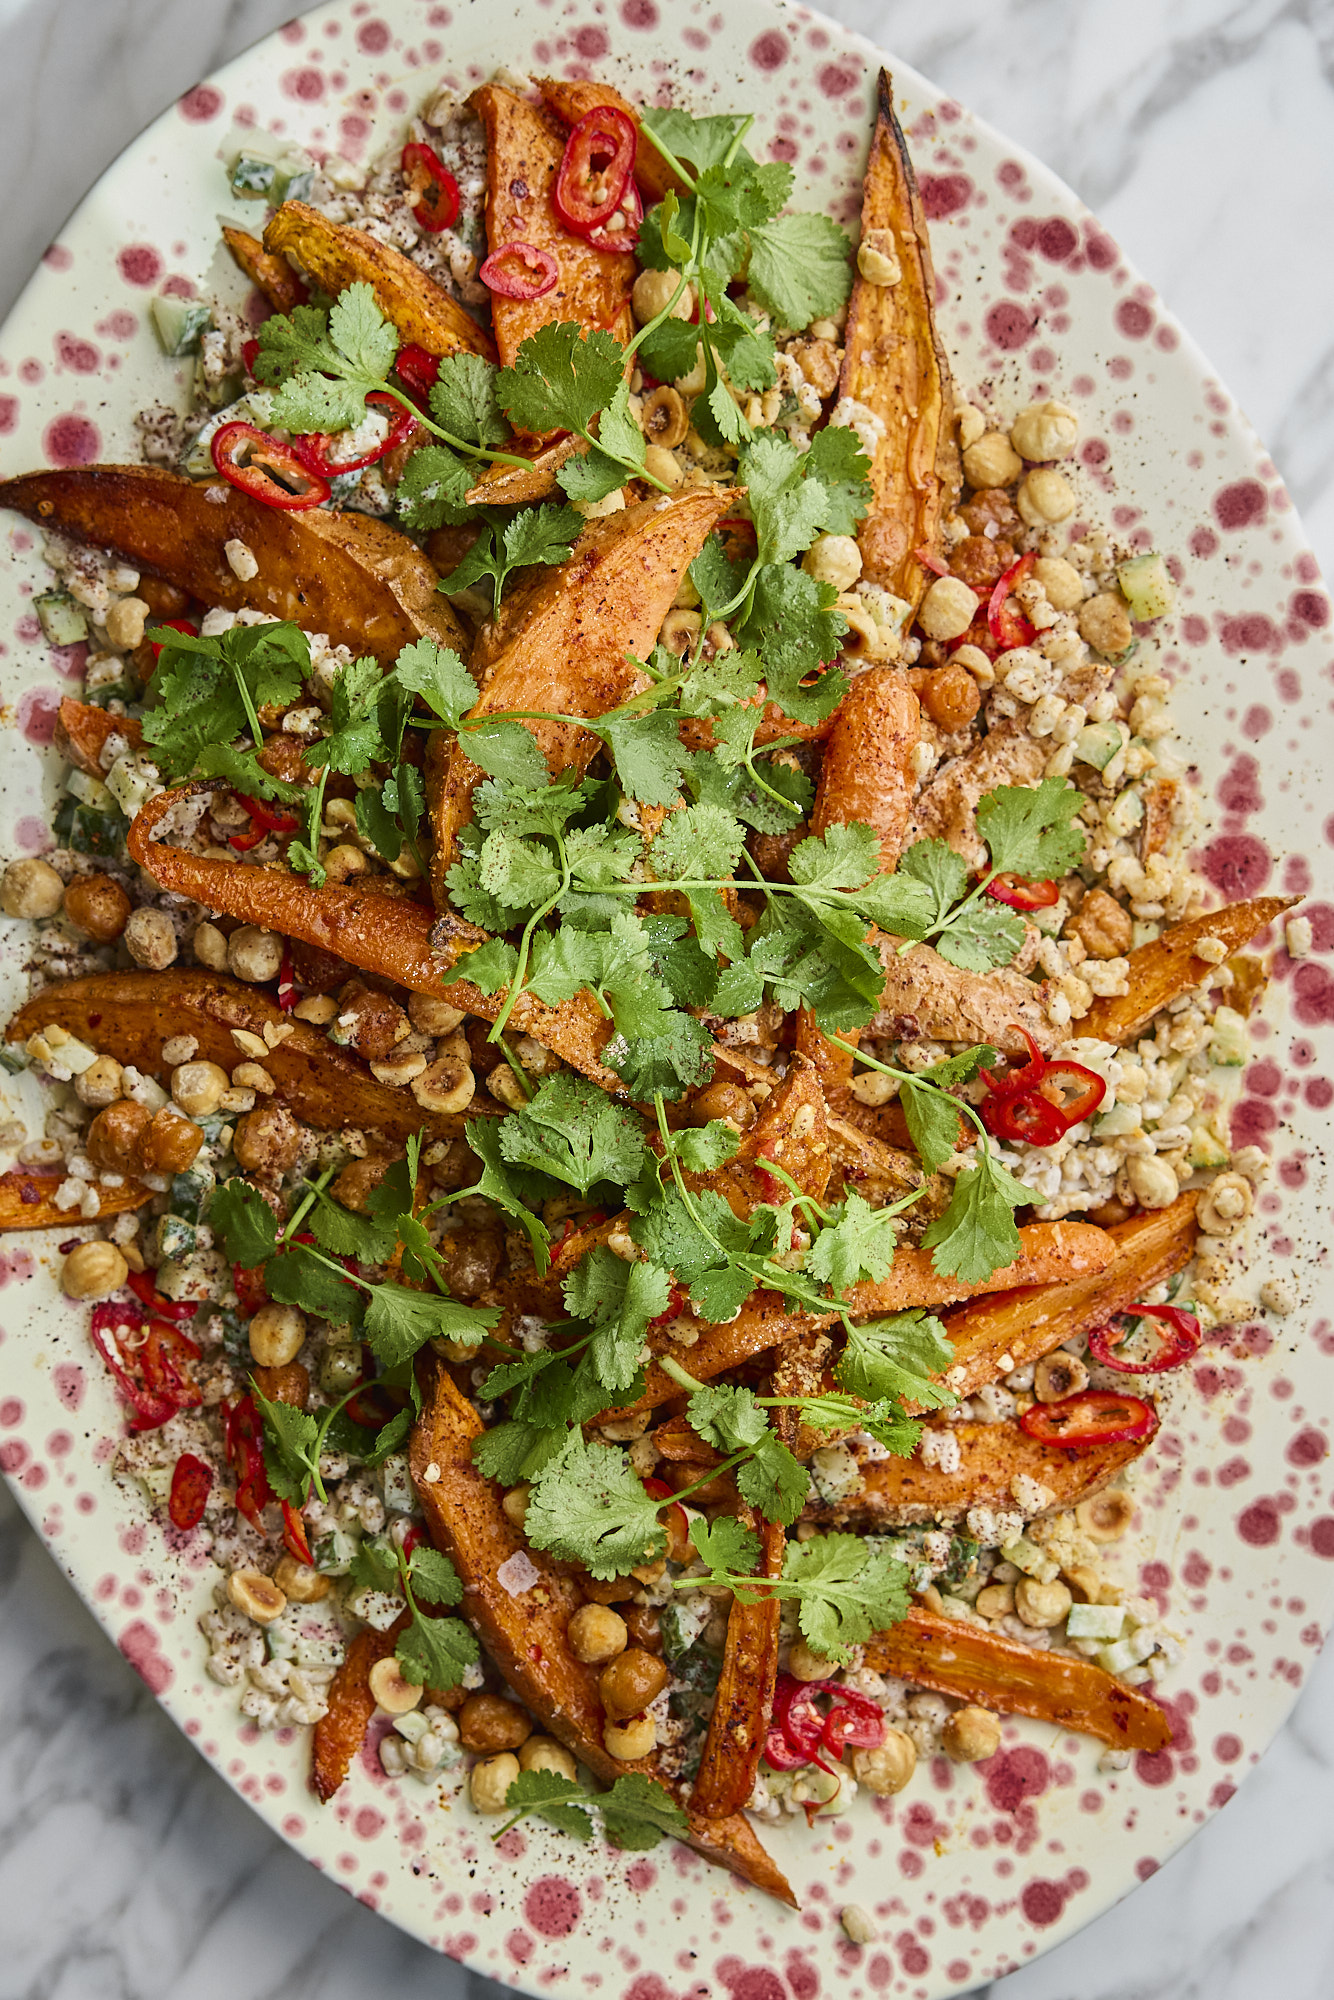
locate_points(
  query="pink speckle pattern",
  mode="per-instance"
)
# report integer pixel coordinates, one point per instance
(974, 1869)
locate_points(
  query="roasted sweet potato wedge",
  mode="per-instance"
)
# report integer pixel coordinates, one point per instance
(525, 1634)
(130, 1014)
(354, 578)
(515, 486)
(895, 365)
(27, 1201)
(83, 730)
(792, 1132)
(1168, 966)
(946, 809)
(923, 995)
(897, 1492)
(1049, 1249)
(867, 773)
(881, 1172)
(994, 1335)
(563, 645)
(273, 276)
(391, 936)
(744, 1702)
(335, 257)
(341, 1731)
(573, 99)
(962, 1660)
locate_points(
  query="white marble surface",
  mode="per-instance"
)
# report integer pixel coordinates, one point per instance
(1203, 133)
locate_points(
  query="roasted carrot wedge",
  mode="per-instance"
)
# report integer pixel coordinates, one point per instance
(567, 644)
(744, 1703)
(1167, 967)
(525, 1633)
(357, 579)
(894, 364)
(791, 1132)
(341, 1731)
(958, 1659)
(130, 1014)
(335, 257)
(273, 276)
(27, 1201)
(83, 731)
(896, 1492)
(994, 1335)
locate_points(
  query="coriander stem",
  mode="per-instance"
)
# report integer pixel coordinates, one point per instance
(525, 945)
(316, 1189)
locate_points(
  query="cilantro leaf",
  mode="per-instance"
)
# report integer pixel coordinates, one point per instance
(433, 1577)
(800, 268)
(203, 691)
(795, 626)
(510, 1189)
(725, 1545)
(668, 1064)
(896, 1357)
(860, 1244)
(637, 1811)
(439, 676)
(437, 1652)
(788, 510)
(345, 1234)
(933, 1121)
(774, 1480)
(702, 142)
(589, 1506)
(561, 379)
(846, 1588)
(562, 1802)
(239, 1214)
(399, 1321)
(648, 756)
(564, 962)
(702, 1148)
(845, 857)
(535, 535)
(1030, 829)
(620, 1299)
(375, 1566)
(463, 400)
(981, 936)
(327, 362)
(837, 461)
(298, 1276)
(433, 490)
(945, 873)
(701, 841)
(291, 1459)
(977, 1235)
(573, 1131)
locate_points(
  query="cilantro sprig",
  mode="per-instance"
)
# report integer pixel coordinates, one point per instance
(1030, 831)
(635, 1812)
(436, 1652)
(845, 1586)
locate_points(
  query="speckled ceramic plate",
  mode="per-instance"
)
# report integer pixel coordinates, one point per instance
(974, 1869)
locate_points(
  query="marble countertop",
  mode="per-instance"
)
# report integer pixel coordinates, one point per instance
(1203, 135)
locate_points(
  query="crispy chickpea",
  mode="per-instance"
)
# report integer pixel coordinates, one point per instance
(115, 1135)
(277, 1334)
(948, 609)
(150, 939)
(886, 1770)
(1104, 624)
(93, 1271)
(209, 947)
(597, 1634)
(267, 1140)
(978, 561)
(198, 1088)
(970, 1735)
(170, 1144)
(101, 1083)
(256, 1594)
(833, 559)
(1102, 926)
(653, 292)
(489, 1782)
(98, 907)
(629, 1740)
(992, 461)
(369, 1022)
(541, 1753)
(299, 1583)
(359, 1180)
(1059, 1375)
(1041, 1605)
(949, 695)
(289, 1384)
(1104, 1517)
(728, 1103)
(30, 889)
(253, 954)
(392, 1693)
(487, 1722)
(515, 1506)
(804, 1665)
(630, 1683)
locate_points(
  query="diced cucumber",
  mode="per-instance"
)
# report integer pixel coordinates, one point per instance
(1098, 742)
(63, 622)
(1229, 1039)
(294, 186)
(376, 1608)
(89, 831)
(1032, 1560)
(412, 1726)
(1206, 1152)
(106, 692)
(132, 780)
(330, 1652)
(1117, 1657)
(1146, 587)
(13, 1059)
(1094, 1621)
(333, 1552)
(255, 408)
(1125, 814)
(1118, 1122)
(252, 179)
(280, 1639)
(190, 1190)
(180, 324)
(681, 1624)
(90, 791)
(396, 1483)
(175, 1237)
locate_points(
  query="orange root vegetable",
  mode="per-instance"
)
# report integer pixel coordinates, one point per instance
(273, 276)
(566, 644)
(1167, 967)
(28, 1201)
(334, 257)
(792, 1133)
(743, 1706)
(831, 1055)
(391, 936)
(899, 1492)
(572, 101)
(867, 774)
(83, 730)
(946, 809)
(341, 1730)
(1049, 1249)
(997, 1334)
(925, 996)
(515, 486)
(977, 1666)
(129, 1015)
(524, 148)
(895, 365)
(357, 579)
(526, 1634)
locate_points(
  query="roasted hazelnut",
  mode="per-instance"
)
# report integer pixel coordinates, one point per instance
(267, 1140)
(487, 1723)
(115, 1134)
(665, 420)
(630, 1683)
(98, 907)
(170, 1144)
(369, 1022)
(288, 1384)
(597, 1634)
(1059, 1375)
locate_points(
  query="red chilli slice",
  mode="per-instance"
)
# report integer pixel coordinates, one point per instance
(266, 470)
(520, 271)
(191, 1484)
(1098, 1416)
(294, 1535)
(432, 191)
(313, 448)
(595, 169)
(1008, 625)
(1023, 892)
(1176, 1346)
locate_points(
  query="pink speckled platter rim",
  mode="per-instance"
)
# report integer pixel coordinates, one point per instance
(972, 1871)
